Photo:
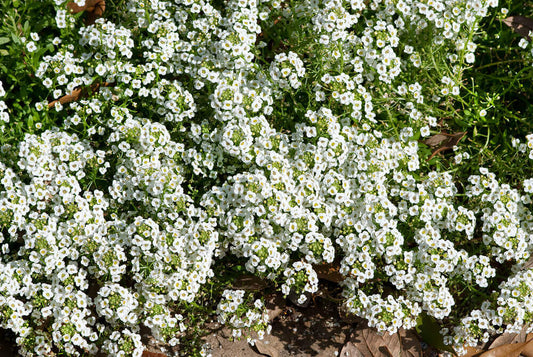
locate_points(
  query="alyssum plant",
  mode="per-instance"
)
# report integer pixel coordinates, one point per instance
(282, 135)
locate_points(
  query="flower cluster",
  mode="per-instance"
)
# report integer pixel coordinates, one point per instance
(236, 311)
(508, 311)
(4, 114)
(254, 132)
(301, 279)
(286, 70)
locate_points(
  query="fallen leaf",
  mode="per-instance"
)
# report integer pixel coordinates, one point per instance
(93, 8)
(266, 349)
(367, 342)
(79, 93)
(153, 354)
(510, 350)
(435, 140)
(503, 340)
(508, 338)
(528, 350)
(349, 349)
(72, 97)
(520, 24)
(442, 142)
(471, 352)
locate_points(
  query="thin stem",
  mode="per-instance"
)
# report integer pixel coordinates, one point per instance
(498, 63)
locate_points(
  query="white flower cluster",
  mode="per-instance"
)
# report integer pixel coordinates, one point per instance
(236, 311)
(509, 312)
(124, 343)
(116, 303)
(4, 114)
(506, 218)
(388, 314)
(197, 141)
(286, 70)
(301, 279)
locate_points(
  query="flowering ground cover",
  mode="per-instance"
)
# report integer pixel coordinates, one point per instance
(153, 153)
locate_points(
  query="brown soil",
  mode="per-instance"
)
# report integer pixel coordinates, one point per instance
(8, 346)
(315, 330)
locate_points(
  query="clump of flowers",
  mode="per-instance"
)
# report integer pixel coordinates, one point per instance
(279, 136)
(237, 311)
(301, 279)
(4, 114)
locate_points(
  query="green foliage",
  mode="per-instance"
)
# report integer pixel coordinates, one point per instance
(18, 65)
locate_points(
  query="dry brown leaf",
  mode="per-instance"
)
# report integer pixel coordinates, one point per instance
(471, 352)
(79, 93)
(510, 350)
(435, 140)
(153, 354)
(367, 342)
(93, 8)
(72, 97)
(520, 24)
(504, 340)
(266, 349)
(442, 142)
(349, 349)
(528, 350)
(508, 338)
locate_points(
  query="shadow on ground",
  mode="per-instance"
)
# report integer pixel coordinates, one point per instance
(315, 330)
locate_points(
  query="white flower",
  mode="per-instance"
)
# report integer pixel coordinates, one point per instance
(30, 46)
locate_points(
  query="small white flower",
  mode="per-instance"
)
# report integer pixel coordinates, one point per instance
(30, 46)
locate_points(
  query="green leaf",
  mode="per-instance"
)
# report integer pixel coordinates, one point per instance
(4, 40)
(15, 39)
(4, 53)
(428, 328)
